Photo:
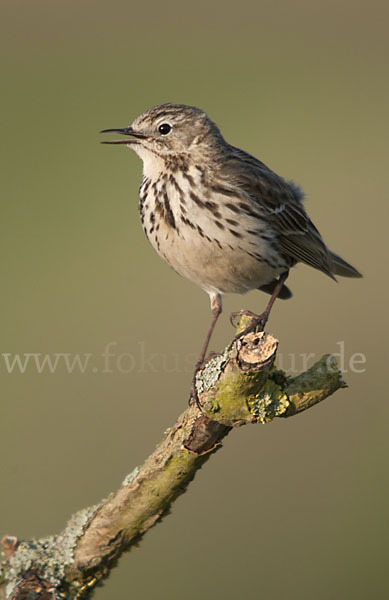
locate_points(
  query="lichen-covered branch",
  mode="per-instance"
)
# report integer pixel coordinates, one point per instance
(237, 387)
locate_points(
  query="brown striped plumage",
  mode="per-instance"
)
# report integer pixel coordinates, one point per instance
(216, 214)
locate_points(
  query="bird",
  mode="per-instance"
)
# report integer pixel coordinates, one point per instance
(219, 216)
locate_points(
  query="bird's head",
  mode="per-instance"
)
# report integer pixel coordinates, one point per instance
(168, 131)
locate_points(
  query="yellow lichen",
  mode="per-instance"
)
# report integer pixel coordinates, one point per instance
(270, 402)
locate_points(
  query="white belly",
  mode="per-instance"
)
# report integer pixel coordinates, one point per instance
(214, 270)
(209, 246)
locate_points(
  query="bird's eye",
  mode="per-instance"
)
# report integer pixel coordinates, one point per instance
(164, 129)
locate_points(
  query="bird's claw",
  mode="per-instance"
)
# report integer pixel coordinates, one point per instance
(194, 397)
(236, 316)
(257, 324)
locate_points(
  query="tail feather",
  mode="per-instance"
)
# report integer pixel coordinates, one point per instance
(341, 267)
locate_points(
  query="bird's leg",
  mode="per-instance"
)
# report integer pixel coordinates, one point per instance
(261, 320)
(281, 280)
(216, 307)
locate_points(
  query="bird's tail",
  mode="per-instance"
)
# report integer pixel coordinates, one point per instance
(341, 267)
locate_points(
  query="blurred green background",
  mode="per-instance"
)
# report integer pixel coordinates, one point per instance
(295, 509)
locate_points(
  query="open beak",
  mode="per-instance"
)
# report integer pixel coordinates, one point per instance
(125, 131)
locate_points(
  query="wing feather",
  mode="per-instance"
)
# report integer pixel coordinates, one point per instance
(280, 204)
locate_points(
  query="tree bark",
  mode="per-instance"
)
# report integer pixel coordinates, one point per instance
(238, 387)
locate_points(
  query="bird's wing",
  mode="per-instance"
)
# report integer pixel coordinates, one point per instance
(280, 204)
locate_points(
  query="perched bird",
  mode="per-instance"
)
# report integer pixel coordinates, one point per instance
(217, 215)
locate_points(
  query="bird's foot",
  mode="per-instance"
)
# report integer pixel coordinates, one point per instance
(246, 315)
(255, 322)
(194, 397)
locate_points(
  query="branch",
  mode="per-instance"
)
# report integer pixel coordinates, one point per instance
(237, 387)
